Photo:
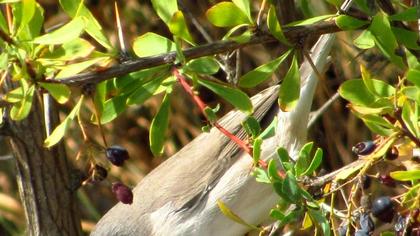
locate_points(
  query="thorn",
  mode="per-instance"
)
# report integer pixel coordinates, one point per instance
(124, 55)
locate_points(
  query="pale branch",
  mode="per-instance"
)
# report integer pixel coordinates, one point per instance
(293, 34)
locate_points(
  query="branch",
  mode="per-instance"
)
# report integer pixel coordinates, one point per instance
(293, 34)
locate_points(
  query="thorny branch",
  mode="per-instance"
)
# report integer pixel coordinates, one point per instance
(293, 34)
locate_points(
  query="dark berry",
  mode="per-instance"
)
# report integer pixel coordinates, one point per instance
(98, 173)
(364, 148)
(122, 192)
(117, 155)
(392, 154)
(366, 223)
(387, 180)
(383, 209)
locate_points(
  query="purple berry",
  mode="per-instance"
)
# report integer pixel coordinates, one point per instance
(383, 209)
(392, 154)
(117, 155)
(122, 193)
(364, 148)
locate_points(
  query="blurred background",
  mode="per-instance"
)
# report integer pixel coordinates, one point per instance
(336, 131)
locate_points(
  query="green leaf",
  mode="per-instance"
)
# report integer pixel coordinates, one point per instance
(150, 44)
(28, 11)
(226, 14)
(310, 21)
(290, 87)
(113, 107)
(356, 92)
(251, 126)
(410, 116)
(346, 22)
(385, 39)
(61, 129)
(277, 214)
(378, 125)
(165, 9)
(203, 65)
(321, 221)
(231, 215)
(291, 187)
(262, 73)
(270, 130)
(261, 176)
(408, 38)
(3, 24)
(407, 175)
(178, 27)
(21, 109)
(410, 14)
(59, 92)
(73, 69)
(145, 91)
(376, 87)
(159, 126)
(316, 161)
(303, 160)
(244, 5)
(234, 96)
(274, 26)
(33, 25)
(412, 92)
(272, 171)
(365, 40)
(413, 76)
(64, 34)
(74, 49)
(92, 27)
(256, 150)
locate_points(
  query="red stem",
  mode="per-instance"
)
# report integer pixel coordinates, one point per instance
(241, 143)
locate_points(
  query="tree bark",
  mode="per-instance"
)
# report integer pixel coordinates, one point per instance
(43, 177)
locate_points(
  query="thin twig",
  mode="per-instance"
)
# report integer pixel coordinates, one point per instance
(318, 113)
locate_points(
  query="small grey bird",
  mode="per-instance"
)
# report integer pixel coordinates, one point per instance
(179, 196)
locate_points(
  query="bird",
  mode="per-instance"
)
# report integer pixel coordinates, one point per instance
(180, 196)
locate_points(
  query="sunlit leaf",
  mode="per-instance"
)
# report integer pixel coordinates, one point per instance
(113, 107)
(410, 116)
(290, 87)
(150, 44)
(346, 22)
(406, 175)
(275, 27)
(59, 92)
(93, 28)
(165, 9)
(310, 21)
(21, 109)
(408, 38)
(232, 95)
(256, 150)
(365, 40)
(159, 126)
(64, 34)
(262, 73)
(61, 129)
(178, 27)
(413, 76)
(316, 161)
(226, 14)
(244, 5)
(385, 39)
(145, 91)
(203, 65)
(303, 160)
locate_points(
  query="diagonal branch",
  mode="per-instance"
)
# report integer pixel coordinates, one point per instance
(292, 33)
